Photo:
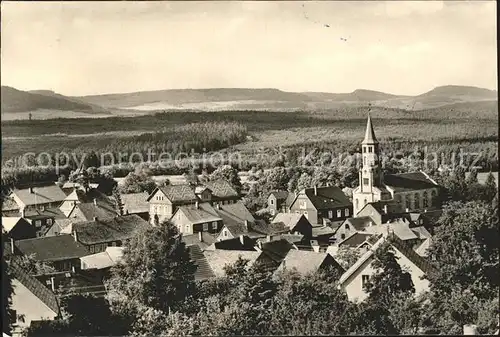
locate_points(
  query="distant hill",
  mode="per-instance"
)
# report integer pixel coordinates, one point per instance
(359, 95)
(18, 101)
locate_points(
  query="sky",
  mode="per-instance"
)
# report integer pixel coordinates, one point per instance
(82, 48)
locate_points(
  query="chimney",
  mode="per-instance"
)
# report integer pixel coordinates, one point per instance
(12, 246)
(242, 240)
(75, 236)
(23, 212)
(197, 205)
(385, 209)
(407, 209)
(217, 206)
(268, 239)
(95, 218)
(315, 190)
(31, 190)
(52, 285)
(470, 329)
(200, 236)
(95, 201)
(246, 225)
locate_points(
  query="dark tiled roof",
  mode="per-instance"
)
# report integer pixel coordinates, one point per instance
(221, 189)
(203, 269)
(135, 202)
(237, 210)
(236, 244)
(35, 287)
(99, 211)
(279, 195)
(355, 239)
(177, 193)
(408, 181)
(276, 250)
(359, 223)
(40, 195)
(418, 260)
(110, 229)
(327, 197)
(289, 199)
(51, 248)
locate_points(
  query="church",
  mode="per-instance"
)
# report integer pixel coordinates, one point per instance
(403, 192)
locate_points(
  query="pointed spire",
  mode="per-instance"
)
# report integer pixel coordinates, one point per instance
(369, 134)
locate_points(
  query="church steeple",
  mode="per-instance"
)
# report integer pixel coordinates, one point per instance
(369, 133)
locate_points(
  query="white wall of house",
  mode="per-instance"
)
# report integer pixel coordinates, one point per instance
(183, 224)
(161, 206)
(354, 285)
(27, 304)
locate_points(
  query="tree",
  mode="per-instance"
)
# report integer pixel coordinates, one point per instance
(32, 266)
(137, 182)
(465, 249)
(472, 177)
(118, 200)
(491, 188)
(347, 256)
(228, 173)
(191, 177)
(156, 272)
(390, 280)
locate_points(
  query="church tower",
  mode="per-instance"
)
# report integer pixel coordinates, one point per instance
(370, 174)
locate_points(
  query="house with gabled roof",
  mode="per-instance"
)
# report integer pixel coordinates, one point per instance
(18, 228)
(306, 262)
(351, 226)
(237, 220)
(295, 222)
(222, 192)
(322, 204)
(31, 300)
(355, 278)
(98, 234)
(243, 242)
(197, 217)
(276, 201)
(136, 203)
(408, 191)
(36, 197)
(44, 219)
(164, 201)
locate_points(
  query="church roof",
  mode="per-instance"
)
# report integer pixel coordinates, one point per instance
(406, 182)
(369, 133)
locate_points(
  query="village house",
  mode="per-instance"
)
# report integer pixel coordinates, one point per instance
(351, 226)
(136, 203)
(98, 234)
(305, 262)
(296, 223)
(279, 201)
(31, 300)
(164, 201)
(409, 191)
(45, 221)
(200, 217)
(322, 204)
(203, 270)
(243, 242)
(18, 228)
(222, 192)
(37, 197)
(355, 278)
(62, 252)
(237, 220)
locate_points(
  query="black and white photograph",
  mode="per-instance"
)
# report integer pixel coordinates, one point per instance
(249, 168)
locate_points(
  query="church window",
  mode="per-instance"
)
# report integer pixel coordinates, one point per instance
(370, 149)
(339, 213)
(347, 212)
(366, 181)
(365, 201)
(426, 199)
(364, 149)
(357, 203)
(417, 200)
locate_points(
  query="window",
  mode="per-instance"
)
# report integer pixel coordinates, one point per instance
(370, 149)
(225, 232)
(364, 280)
(92, 249)
(417, 200)
(188, 229)
(214, 225)
(425, 199)
(357, 204)
(38, 223)
(330, 214)
(347, 212)
(364, 149)
(339, 213)
(364, 201)
(272, 202)
(346, 226)
(49, 222)
(205, 226)
(342, 236)
(366, 181)
(113, 244)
